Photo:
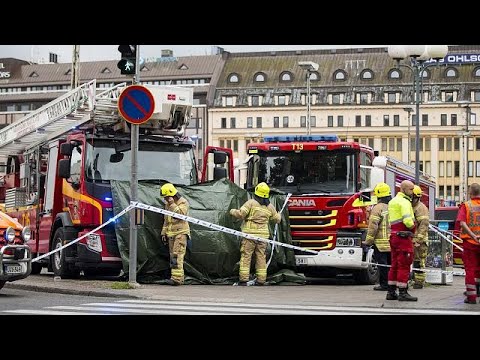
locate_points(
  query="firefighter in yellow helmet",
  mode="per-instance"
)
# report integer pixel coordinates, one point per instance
(175, 232)
(256, 214)
(378, 233)
(420, 240)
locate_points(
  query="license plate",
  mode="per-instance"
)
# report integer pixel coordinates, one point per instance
(13, 269)
(301, 261)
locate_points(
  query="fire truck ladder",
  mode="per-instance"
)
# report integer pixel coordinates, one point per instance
(106, 106)
(68, 111)
(406, 167)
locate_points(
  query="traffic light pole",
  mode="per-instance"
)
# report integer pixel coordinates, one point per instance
(132, 265)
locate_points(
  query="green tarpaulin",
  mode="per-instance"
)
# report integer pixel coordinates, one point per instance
(213, 257)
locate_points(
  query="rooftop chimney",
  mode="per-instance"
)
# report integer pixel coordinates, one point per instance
(167, 53)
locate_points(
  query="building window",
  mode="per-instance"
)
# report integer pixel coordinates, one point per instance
(370, 142)
(260, 77)
(424, 119)
(477, 143)
(448, 96)
(470, 169)
(426, 74)
(229, 101)
(449, 169)
(454, 119)
(366, 74)
(233, 123)
(276, 122)
(340, 75)
(451, 73)
(313, 121)
(235, 145)
(441, 168)
(368, 120)
(224, 123)
(336, 99)
(456, 168)
(314, 76)
(395, 74)
(441, 191)
(221, 143)
(392, 98)
(477, 169)
(391, 144)
(281, 99)
(358, 121)
(330, 121)
(259, 122)
(234, 79)
(255, 100)
(476, 72)
(449, 144)
(443, 119)
(456, 144)
(384, 144)
(249, 122)
(303, 121)
(427, 144)
(386, 120)
(340, 121)
(441, 144)
(286, 76)
(476, 96)
(396, 120)
(285, 121)
(364, 98)
(399, 144)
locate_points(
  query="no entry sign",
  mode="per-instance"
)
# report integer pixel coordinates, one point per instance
(136, 104)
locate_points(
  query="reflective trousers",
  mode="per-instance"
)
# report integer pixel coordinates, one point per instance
(247, 249)
(177, 247)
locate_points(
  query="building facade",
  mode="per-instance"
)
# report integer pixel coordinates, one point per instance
(25, 87)
(360, 95)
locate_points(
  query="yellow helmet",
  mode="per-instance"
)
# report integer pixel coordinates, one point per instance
(417, 191)
(262, 190)
(382, 190)
(168, 190)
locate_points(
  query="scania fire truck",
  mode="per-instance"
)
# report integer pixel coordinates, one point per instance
(63, 157)
(331, 183)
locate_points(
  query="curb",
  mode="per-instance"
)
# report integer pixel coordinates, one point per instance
(45, 289)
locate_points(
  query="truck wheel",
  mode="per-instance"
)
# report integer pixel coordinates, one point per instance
(59, 265)
(2, 283)
(36, 268)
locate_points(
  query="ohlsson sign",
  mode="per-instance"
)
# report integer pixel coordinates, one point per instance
(458, 59)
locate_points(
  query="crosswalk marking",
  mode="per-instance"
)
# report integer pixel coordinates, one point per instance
(164, 307)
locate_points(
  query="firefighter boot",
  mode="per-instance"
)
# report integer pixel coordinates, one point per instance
(405, 296)
(392, 292)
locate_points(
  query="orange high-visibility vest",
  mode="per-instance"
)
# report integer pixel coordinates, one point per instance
(472, 209)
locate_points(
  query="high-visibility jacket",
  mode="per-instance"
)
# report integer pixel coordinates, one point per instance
(472, 210)
(422, 217)
(256, 217)
(400, 212)
(379, 228)
(173, 226)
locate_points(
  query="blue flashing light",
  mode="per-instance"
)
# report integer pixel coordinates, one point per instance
(108, 199)
(301, 138)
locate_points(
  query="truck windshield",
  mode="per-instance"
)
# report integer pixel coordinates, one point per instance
(156, 161)
(307, 172)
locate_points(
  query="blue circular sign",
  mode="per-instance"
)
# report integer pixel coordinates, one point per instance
(136, 104)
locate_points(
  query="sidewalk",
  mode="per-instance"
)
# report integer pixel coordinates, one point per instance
(327, 294)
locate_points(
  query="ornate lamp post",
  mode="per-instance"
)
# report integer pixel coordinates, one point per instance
(418, 55)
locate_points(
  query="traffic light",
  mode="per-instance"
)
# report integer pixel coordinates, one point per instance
(129, 59)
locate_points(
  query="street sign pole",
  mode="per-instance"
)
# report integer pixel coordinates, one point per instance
(132, 265)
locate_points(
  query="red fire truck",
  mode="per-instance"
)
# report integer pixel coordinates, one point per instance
(330, 181)
(62, 158)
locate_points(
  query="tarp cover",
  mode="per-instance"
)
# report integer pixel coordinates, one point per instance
(213, 257)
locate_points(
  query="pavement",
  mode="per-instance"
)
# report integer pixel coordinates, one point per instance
(327, 293)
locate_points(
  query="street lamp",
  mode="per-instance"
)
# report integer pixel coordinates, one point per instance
(409, 110)
(465, 134)
(418, 54)
(310, 67)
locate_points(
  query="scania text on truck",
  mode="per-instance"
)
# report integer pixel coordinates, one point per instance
(330, 181)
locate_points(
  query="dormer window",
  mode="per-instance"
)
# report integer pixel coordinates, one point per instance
(234, 79)
(286, 76)
(260, 77)
(366, 74)
(340, 75)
